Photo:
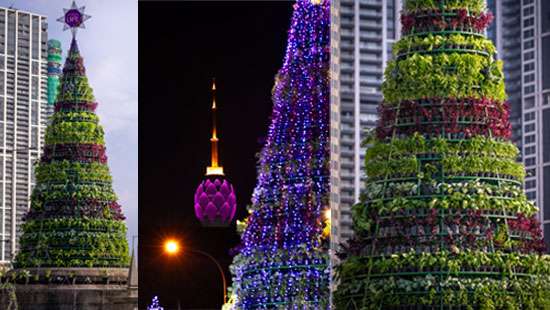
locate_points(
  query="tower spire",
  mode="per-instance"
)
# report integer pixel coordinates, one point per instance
(214, 168)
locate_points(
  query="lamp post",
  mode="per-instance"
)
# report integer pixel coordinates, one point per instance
(172, 247)
(219, 268)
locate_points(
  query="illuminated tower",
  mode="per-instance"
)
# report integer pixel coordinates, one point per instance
(215, 201)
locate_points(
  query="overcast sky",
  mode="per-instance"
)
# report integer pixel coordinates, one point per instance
(109, 47)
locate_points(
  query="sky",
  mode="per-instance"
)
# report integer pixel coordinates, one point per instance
(182, 45)
(109, 47)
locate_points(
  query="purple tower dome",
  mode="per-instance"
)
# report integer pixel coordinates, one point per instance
(215, 200)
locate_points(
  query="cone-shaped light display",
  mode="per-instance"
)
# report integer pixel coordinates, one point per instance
(282, 261)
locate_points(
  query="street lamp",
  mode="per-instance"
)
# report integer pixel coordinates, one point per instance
(172, 247)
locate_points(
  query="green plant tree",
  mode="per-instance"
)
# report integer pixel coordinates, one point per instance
(74, 219)
(444, 222)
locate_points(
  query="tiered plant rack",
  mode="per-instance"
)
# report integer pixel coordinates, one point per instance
(384, 264)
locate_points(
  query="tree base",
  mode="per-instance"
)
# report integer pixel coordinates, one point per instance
(70, 289)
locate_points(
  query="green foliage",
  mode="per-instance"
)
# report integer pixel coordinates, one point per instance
(417, 144)
(405, 166)
(74, 116)
(74, 132)
(433, 42)
(401, 157)
(452, 75)
(472, 195)
(472, 165)
(483, 293)
(505, 264)
(471, 5)
(73, 242)
(64, 192)
(64, 224)
(67, 171)
(75, 88)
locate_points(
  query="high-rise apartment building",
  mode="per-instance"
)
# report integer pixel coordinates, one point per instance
(521, 32)
(363, 32)
(23, 116)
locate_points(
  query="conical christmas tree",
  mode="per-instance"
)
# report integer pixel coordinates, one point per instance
(444, 222)
(282, 263)
(74, 219)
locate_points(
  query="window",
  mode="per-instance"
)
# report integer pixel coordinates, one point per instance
(546, 189)
(528, 44)
(529, 55)
(530, 128)
(546, 62)
(530, 184)
(529, 139)
(35, 67)
(545, 13)
(529, 116)
(35, 87)
(529, 78)
(11, 33)
(525, 2)
(530, 161)
(546, 136)
(529, 89)
(528, 11)
(529, 22)
(529, 67)
(530, 150)
(528, 33)
(34, 137)
(531, 195)
(546, 230)
(529, 102)
(531, 172)
(35, 42)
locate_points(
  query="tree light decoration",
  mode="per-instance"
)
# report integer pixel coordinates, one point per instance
(155, 304)
(444, 222)
(215, 200)
(283, 260)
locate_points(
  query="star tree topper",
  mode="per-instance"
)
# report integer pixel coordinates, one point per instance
(74, 18)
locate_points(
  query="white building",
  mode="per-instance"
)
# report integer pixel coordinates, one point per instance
(522, 35)
(362, 33)
(23, 116)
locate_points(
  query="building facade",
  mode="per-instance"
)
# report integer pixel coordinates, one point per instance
(363, 32)
(23, 116)
(521, 32)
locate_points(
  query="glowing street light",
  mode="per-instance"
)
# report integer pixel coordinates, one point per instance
(171, 246)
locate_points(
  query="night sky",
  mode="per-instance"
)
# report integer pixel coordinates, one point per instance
(182, 45)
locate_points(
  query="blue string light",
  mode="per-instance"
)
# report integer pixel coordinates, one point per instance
(282, 262)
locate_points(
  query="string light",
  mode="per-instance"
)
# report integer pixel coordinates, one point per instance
(282, 262)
